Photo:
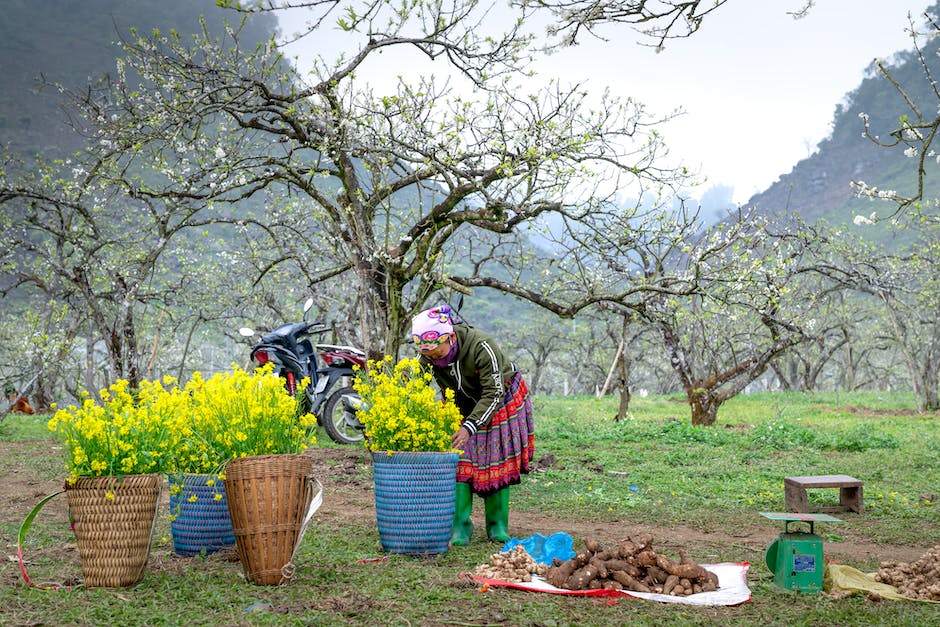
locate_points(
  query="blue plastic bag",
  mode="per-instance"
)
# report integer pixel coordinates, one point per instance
(544, 549)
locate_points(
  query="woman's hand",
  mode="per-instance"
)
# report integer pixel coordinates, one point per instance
(460, 439)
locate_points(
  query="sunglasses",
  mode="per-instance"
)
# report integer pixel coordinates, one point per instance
(429, 340)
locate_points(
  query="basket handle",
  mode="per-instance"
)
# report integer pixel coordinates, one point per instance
(315, 501)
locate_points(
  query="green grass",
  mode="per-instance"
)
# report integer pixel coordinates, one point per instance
(653, 468)
(658, 467)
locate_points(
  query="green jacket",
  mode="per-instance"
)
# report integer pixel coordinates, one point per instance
(478, 376)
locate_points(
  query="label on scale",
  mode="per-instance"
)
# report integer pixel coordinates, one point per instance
(804, 563)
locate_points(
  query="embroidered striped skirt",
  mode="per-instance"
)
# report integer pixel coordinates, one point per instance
(500, 453)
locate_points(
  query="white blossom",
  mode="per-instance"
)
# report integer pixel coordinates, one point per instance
(862, 220)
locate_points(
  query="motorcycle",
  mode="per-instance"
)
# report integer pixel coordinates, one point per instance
(329, 396)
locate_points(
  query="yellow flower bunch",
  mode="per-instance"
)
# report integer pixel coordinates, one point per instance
(402, 412)
(239, 414)
(124, 434)
(194, 429)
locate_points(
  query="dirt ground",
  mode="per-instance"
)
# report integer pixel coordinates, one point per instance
(348, 498)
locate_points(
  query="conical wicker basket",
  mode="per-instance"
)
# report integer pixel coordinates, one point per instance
(113, 519)
(269, 500)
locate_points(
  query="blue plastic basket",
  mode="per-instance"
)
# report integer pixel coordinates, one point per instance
(203, 525)
(414, 501)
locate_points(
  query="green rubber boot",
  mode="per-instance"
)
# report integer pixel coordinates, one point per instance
(463, 505)
(497, 515)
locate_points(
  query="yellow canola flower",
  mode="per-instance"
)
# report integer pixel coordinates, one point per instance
(403, 411)
(165, 427)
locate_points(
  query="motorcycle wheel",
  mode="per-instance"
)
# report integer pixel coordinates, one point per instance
(334, 418)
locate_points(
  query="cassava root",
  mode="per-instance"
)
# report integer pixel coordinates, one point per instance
(634, 565)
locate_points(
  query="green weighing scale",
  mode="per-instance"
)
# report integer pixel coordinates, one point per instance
(796, 557)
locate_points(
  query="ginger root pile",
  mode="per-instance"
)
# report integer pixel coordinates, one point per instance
(916, 580)
(514, 565)
(633, 565)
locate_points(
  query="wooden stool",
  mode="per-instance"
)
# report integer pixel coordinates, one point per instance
(850, 493)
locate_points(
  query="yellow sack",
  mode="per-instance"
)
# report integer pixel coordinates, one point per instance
(840, 577)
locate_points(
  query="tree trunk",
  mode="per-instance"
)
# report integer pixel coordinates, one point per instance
(704, 408)
(41, 393)
(394, 314)
(928, 399)
(616, 362)
(186, 345)
(624, 388)
(132, 356)
(848, 373)
(89, 362)
(374, 328)
(782, 377)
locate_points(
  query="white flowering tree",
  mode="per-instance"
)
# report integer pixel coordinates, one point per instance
(659, 20)
(905, 289)
(725, 302)
(910, 294)
(904, 282)
(103, 266)
(756, 295)
(388, 177)
(915, 132)
(815, 364)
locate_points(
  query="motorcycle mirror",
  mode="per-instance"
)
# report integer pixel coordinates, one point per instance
(246, 332)
(308, 304)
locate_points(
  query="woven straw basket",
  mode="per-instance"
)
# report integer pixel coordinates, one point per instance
(270, 499)
(202, 525)
(414, 500)
(113, 534)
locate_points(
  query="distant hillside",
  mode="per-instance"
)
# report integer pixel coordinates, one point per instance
(820, 185)
(73, 43)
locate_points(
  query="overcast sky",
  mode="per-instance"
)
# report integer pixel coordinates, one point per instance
(759, 88)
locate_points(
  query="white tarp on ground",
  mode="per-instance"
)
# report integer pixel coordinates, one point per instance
(732, 587)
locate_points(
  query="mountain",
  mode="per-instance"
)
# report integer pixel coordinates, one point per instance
(75, 44)
(819, 187)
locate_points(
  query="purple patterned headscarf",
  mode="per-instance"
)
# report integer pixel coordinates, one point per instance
(430, 327)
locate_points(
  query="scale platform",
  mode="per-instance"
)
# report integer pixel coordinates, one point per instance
(788, 517)
(796, 557)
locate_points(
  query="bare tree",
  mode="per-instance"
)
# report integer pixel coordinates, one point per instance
(657, 19)
(722, 300)
(834, 325)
